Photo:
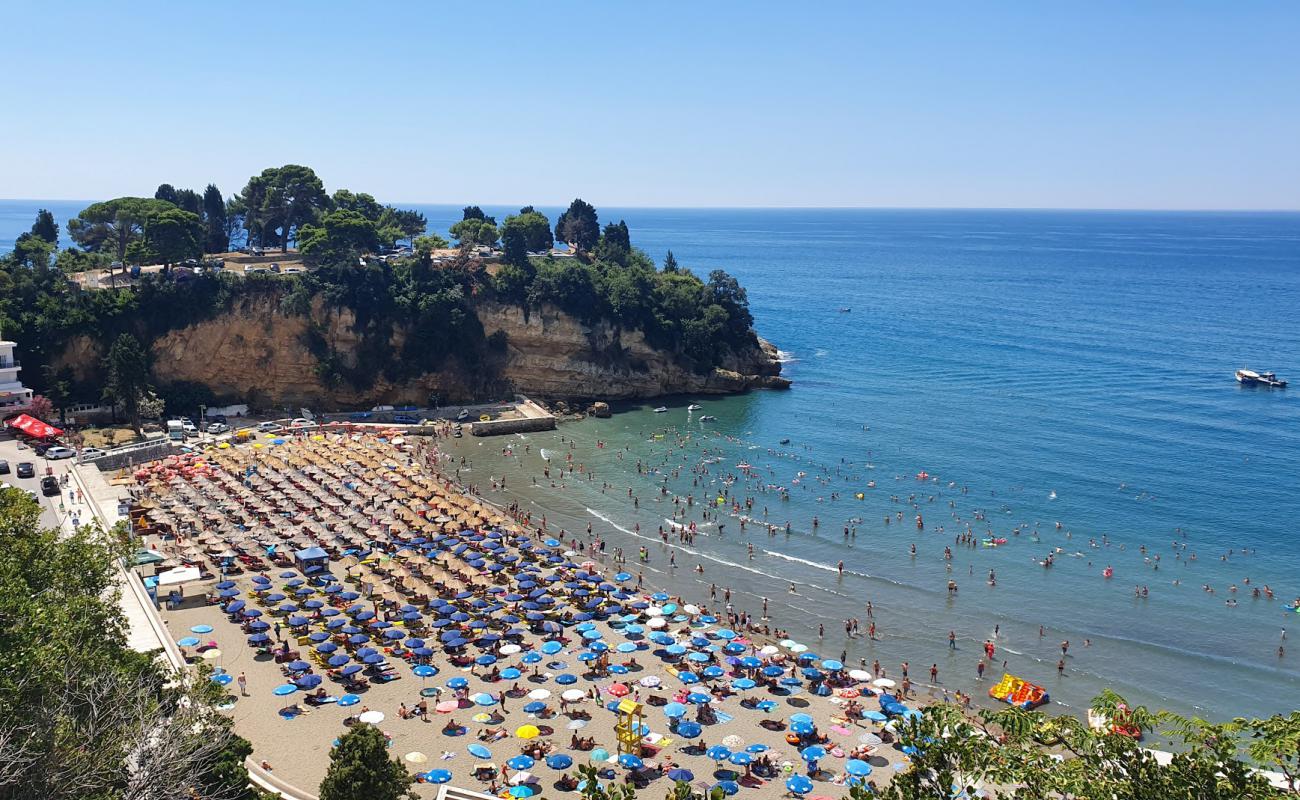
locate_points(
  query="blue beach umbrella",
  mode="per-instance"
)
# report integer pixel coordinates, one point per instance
(718, 752)
(534, 707)
(457, 683)
(284, 689)
(188, 641)
(258, 638)
(857, 768)
(674, 710)
(630, 761)
(520, 762)
(689, 729)
(559, 761)
(566, 679)
(801, 728)
(437, 776)
(510, 673)
(425, 671)
(813, 753)
(201, 629)
(799, 784)
(338, 660)
(478, 751)
(741, 759)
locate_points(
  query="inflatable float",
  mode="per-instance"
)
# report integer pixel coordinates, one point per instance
(1019, 692)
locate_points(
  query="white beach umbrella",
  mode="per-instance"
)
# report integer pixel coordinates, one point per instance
(573, 695)
(539, 694)
(859, 675)
(657, 622)
(884, 683)
(372, 717)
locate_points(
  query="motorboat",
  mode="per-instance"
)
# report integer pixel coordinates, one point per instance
(661, 409)
(707, 418)
(1248, 377)
(694, 407)
(463, 415)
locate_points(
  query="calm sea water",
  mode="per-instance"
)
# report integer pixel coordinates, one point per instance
(1071, 367)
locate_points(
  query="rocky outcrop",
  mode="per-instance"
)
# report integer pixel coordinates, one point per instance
(256, 353)
(552, 354)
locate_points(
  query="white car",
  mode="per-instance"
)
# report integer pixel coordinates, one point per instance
(267, 427)
(88, 453)
(299, 422)
(218, 427)
(55, 453)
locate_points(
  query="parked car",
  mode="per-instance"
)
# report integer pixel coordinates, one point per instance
(88, 453)
(55, 453)
(41, 447)
(406, 419)
(294, 270)
(299, 422)
(218, 427)
(267, 427)
(26, 469)
(4, 467)
(360, 415)
(275, 268)
(382, 408)
(50, 486)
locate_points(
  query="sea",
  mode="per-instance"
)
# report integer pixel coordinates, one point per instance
(1045, 383)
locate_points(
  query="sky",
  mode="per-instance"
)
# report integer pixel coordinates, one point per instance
(1169, 105)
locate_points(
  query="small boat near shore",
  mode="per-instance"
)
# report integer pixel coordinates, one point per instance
(1248, 377)
(707, 418)
(694, 407)
(661, 410)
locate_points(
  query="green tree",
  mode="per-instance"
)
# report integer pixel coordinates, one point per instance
(474, 212)
(45, 227)
(409, 223)
(127, 371)
(81, 714)
(166, 192)
(474, 231)
(114, 225)
(173, 236)
(426, 244)
(534, 226)
(32, 252)
(360, 202)
(290, 196)
(579, 226)
(670, 263)
(216, 232)
(360, 769)
(338, 237)
(615, 243)
(515, 246)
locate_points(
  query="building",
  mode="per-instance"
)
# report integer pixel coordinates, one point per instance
(14, 397)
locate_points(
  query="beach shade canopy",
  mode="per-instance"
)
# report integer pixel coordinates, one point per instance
(857, 768)
(284, 689)
(799, 784)
(689, 729)
(483, 699)
(674, 710)
(520, 762)
(535, 707)
(559, 761)
(416, 757)
(372, 717)
(801, 728)
(478, 751)
(188, 641)
(718, 752)
(572, 695)
(630, 761)
(527, 732)
(425, 671)
(457, 683)
(349, 700)
(741, 759)
(680, 774)
(437, 776)
(813, 753)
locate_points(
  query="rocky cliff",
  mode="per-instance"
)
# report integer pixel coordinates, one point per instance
(254, 352)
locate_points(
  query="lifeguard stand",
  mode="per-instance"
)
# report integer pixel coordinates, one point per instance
(628, 728)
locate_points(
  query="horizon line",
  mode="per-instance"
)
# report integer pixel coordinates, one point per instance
(1101, 209)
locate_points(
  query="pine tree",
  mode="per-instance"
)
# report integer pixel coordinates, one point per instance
(360, 769)
(45, 227)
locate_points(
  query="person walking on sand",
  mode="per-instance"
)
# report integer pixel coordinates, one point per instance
(243, 685)
(934, 673)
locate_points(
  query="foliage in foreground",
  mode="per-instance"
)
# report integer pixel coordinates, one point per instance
(1035, 755)
(81, 714)
(360, 769)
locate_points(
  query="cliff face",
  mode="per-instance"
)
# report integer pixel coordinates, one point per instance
(255, 352)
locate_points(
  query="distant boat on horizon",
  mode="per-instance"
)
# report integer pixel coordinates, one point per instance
(1248, 377)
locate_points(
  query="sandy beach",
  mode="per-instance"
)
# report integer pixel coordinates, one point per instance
(430, 595)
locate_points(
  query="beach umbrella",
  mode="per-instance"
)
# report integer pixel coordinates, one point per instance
(308, 681)
(520, 762)
(284, 689)
(527, 732)
(188, 641)
(699, 698)
(801, 728)
(857, 768)
(372, 717)
(539, 694)
(831, 665)
(773, 671)
(222, 678)
(859, 675)
(679, 774)
(298, 666)
(351, 669)
(416, 757)
(630, 761)
(258, 638)
(875, 716)
(437, 776)
(741, 759)
(689, 729)
(733, 741)
(447, 706)
(599, 754)
(573, 695)
(799, 784)
(801, 717)
(349, 700)
(674, 711)
(617, 689)
(688, 677)
(813, 753)
(566, 679)
(510, 673)
(483, 699)
(201, 629)
(718, 753)
(338, 660)
(755, 749)
(425, 671)
(457, 683)
(559, 761)
(521, 791)
(552, 647)
(531, 658)
(534, 707)
(710, 673)
(870, 739)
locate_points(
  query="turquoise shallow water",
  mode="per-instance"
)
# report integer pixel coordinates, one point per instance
(1063, 366)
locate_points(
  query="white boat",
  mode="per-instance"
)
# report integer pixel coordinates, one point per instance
(707, 418)
(661, 409)
(694, 407)
(1248, 377)
(463, 415)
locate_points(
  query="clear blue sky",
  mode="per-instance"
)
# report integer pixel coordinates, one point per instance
(984, 104)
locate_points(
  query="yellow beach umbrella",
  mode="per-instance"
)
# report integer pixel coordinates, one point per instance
(528, 732)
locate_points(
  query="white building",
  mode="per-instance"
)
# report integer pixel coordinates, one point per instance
(14, 397)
